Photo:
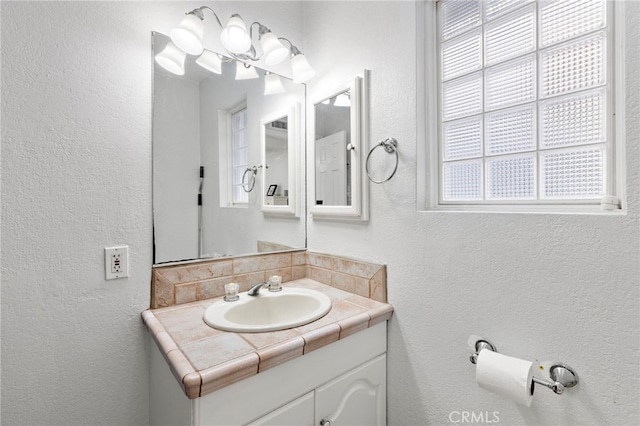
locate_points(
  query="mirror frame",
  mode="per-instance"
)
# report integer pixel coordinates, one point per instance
(359, 117)
(293, 161)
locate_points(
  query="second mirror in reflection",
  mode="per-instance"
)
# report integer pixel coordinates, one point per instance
(276, 163)
(332, 146)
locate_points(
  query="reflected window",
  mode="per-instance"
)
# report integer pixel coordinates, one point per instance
(239, 153)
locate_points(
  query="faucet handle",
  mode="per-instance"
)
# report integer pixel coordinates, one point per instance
(274, 283)
(231, 292)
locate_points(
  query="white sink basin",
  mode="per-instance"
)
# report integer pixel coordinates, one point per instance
(268, 311)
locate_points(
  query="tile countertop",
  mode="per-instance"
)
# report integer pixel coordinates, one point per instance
(204, 359)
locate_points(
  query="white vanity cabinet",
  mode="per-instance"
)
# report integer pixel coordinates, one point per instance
(296, 413)
(343, 383)
(357, 398)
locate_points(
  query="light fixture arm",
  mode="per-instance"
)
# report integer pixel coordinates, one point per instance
(199, 13)
(249, 56)
(293, 49)
(251, 53)
(287, 40)
(262, 30)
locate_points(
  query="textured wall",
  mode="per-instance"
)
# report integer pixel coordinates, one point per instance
(76, 177)
(545, 286)
(76, 109)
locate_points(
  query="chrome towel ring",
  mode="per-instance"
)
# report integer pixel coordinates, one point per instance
(390, 146)
(252, 178)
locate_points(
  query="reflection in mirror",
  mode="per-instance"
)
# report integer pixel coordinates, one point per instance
(276, 165)
(338, 127)
(206, 134)
(332, 137)
(280, 142)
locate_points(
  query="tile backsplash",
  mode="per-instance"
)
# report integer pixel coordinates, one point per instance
(177, 284)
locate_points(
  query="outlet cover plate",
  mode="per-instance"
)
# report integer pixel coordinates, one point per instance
(116, 262)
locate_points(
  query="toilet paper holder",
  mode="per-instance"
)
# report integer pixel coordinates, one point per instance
(562, 376)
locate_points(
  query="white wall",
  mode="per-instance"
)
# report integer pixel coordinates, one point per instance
(76, 109)
(76, 177)
(559, 287)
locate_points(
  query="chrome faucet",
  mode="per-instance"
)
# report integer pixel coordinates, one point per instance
(253, 291)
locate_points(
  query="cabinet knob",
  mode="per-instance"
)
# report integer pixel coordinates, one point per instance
(324, 422)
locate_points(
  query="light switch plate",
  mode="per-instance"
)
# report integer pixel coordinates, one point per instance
(116, 262)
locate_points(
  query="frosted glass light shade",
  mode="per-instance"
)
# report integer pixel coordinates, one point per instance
(245, 72)
(302, 71)
(235, 37)
(210, 61)
(188, 35)
(272, 84)
(172, 59)
(274, 50)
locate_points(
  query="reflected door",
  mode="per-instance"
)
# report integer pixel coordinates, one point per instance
(331, 170)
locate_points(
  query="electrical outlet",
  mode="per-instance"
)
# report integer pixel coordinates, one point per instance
(116, 262)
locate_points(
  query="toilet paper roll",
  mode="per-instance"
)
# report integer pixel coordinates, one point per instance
(506, 376)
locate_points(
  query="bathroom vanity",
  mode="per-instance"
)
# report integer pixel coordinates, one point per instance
(343, 383)
(331, 371)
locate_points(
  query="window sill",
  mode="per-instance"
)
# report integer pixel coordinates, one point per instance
(563, 209)
(236, 206)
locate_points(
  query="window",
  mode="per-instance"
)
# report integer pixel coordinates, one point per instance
(239, 156)
(525, 103)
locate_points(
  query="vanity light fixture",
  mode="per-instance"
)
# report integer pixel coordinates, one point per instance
(339, 100)
(272, 84)
(245, 71)
(234, 36)
(188, 35)
(210, 61)
(302, 71)
(172, 59)
(237, 39)
(274, 50)
(343, 100)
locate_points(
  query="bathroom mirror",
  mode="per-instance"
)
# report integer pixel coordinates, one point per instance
(207, 131)
(280, 139)
(338, 128)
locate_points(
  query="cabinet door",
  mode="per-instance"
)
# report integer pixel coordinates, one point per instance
(296, 413)
(355, 398)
